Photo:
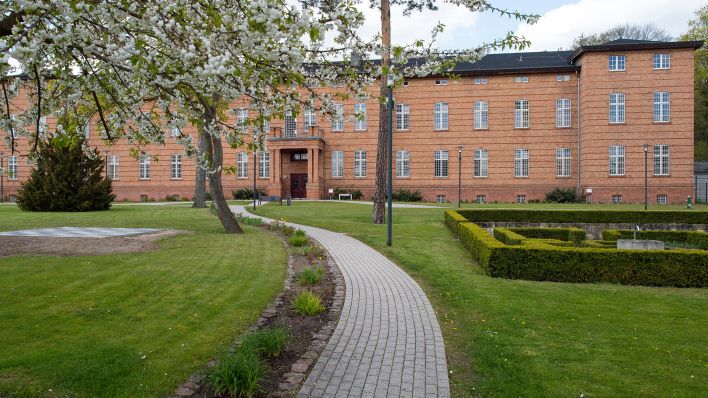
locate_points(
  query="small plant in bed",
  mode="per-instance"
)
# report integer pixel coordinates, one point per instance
(310, 276)
(238, 374)
(254, 221)
(298, 238)
(268, 342)
(308, 303)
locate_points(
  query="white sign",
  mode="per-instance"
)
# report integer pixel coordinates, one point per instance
(331, 191)
(588, 190)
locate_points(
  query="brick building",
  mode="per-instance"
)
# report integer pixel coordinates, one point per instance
(523, 123)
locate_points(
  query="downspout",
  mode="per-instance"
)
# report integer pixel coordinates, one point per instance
(580, 135)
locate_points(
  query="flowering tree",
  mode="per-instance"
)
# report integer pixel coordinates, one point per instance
(145, 67)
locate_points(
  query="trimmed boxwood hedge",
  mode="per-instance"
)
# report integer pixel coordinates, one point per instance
(535, 260)
(585, 216)
(575, 235)
(693, 238)
(508, 237)
(452, 219)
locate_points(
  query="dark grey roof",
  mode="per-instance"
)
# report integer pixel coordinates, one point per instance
(518, 62)
(629, 41)
(628, 44)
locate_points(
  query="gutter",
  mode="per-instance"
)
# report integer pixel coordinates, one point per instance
(580, 135)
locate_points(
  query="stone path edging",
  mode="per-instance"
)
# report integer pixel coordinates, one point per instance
(388, 342)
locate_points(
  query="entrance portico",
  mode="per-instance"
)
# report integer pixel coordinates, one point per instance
(297, 165)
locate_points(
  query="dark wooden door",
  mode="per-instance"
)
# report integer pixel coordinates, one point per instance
(298, 186)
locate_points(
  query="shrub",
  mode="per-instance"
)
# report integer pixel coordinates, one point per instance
(246, 193)
(575, 235)
(405, 195)
(254, 221)
(585, 216)
(308, 303)
(238, 374)
(310, 276)
(314, 251)
(508, 237)
(453, 219)
(268, 342)
(563, 195)
(697, 239)
(356, 194)
(298, 238)
(68, 177)
(536, 260)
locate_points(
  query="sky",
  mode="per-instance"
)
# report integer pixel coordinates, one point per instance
(561, 21)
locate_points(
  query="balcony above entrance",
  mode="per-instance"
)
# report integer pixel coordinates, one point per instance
(309, 138)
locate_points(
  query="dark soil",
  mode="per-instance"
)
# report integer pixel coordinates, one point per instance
(16, 245)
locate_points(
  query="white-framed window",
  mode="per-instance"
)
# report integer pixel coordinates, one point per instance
(12, 164)
(337, 164)
(310, 117)
(290, 124)
(441, 82)
(175, 132)
(405, 83)
(562, 78)
(403, 117)
(521, 114)
(616, 199)
(441, 116)
(661, 107)
(481, 80)
(615, 63)
(521, 79)
(616, 160)
(176, 166)
(520, 198)
(662, 199)
(403, 164)
(338, 118)
(360, 116)
(241, 118)
(661, 160)
(616, 108)
(563, 162)
(242, 165)
(563, 112)
(13, 118)
(481, 163)
(481, 115)
(441, 163)
(360, 163)
(144, 169)
(113, 167)
(440, 198)
(264, 164)
(521, 162)
(87, 129)
(43, 127)
(661, 61)
(481, 199)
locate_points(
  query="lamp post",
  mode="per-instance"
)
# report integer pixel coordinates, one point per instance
(2, 179)
(459, 176)
(389, 108)
(255, 170)
(646, 178)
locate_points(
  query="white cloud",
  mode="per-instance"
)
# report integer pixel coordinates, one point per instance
(558, 27)
(405, 30)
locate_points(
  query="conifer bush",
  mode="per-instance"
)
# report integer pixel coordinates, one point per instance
(68, 177)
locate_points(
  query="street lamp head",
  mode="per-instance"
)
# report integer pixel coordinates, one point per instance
(390, 80)
(646, 147)
(459, 149)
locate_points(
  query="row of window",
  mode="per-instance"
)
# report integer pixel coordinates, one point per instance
(661, 160)
(617, 63)
(661, 199)
(145, 167)
(263, 165)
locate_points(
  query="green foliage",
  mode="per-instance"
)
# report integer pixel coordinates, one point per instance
(575, 235)
(298, 238)
(585, 216)
(698, 30)
(68, 177)
(310, 276)
(313, 252)
(563, 195)
(508, 237)
(356, 194)
(268, 342)
(697, 239)
(536, 260)
(308, 303)
(238, 374)
(254, 221)
(405, 195)
(453, 219)
(246, 193)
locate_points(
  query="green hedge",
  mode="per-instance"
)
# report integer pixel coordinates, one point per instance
(575, 235)
(693, 238)
(452, 219)
(508, 237)
(535, 260)
(586, 216)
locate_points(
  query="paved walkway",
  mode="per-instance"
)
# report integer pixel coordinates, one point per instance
(388, 341)
(398, 205)
(80, 232)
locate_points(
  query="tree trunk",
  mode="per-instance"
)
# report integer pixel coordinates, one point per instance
(382, 161)
(200, 176)
(215, 154)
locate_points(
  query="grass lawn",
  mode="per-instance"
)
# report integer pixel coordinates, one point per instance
(129, 325)
(510, 338)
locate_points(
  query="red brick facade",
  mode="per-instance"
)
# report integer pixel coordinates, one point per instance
(587, 85)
